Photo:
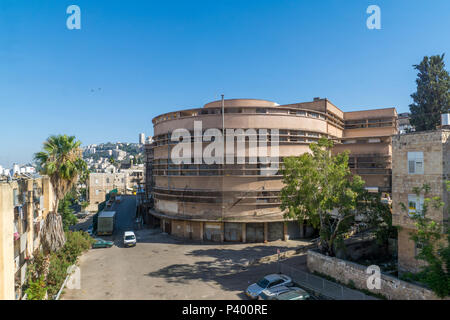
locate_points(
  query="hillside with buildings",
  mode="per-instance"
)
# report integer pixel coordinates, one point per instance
(100, 157)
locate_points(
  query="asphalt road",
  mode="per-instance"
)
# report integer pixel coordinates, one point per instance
(162, 267)
(125, 216)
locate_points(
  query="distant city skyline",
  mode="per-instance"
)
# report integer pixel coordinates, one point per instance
(132, 61)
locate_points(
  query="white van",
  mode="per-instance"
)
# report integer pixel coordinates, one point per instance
(129, 239)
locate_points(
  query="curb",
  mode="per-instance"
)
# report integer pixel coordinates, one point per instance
(65, 282)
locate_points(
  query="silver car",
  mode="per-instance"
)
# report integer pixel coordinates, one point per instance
(271, 293)
(268, 282)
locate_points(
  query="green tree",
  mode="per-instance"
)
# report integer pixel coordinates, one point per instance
(432, 97)
(320, 187)
(434, 240)
(61, 160)
(377, 216)
(66, 212)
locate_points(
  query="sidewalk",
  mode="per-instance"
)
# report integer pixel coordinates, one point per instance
(318, 285)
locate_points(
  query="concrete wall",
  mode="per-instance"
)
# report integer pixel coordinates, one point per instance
(36, 201)
(6, 243)
(345, 271)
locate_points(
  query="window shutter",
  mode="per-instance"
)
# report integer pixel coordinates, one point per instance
(411, 166)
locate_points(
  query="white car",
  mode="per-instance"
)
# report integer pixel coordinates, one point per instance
(129, 239)
(268, 282)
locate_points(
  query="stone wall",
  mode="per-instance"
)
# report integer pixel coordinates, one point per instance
(346, 272)
(435, 146)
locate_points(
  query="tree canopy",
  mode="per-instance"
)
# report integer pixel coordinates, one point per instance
(61, 160)
(432, 97)
(319, 187)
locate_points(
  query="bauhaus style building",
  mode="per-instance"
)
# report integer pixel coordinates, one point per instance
(240, 201)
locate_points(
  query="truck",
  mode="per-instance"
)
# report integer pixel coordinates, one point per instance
(105, 222)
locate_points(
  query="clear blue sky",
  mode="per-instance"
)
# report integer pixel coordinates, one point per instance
(150, 57)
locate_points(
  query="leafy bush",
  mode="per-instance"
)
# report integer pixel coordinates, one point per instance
(76, 243)
(57, 272)
(36, 289)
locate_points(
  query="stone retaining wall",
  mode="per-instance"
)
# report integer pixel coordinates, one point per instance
(346, 271)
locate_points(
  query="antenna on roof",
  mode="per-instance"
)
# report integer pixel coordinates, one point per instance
(223, 116)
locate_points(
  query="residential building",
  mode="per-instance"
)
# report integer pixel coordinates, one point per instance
(418, 158)
(141, 138)
(123, 180)
(119, 154)
(24, 203)
(240, 202)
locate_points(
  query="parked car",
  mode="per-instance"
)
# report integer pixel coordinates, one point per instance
(100, 243)
(269, 294)
(90, 230)
(269, 281)
(129, 239)
(294, 294)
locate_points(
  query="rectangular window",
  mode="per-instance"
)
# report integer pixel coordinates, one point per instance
(415, 162)
(415, 204)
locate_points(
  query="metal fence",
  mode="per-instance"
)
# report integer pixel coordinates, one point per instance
(321, 286)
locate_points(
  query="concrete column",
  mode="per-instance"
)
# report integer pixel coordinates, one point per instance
(285, 232)
(244, 232)
(266, 231)
(49, 197)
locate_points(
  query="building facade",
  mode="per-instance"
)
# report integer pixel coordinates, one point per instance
(418, 158)
(24, 204)
(239, 201)
(125, 181)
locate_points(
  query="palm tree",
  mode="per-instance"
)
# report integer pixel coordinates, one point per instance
(61, 160)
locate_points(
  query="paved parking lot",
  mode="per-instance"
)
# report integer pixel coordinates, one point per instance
(161, 267)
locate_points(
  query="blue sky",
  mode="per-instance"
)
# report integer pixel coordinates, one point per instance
(133, 60)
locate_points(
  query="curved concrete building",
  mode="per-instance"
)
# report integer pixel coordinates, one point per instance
(234, 200)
